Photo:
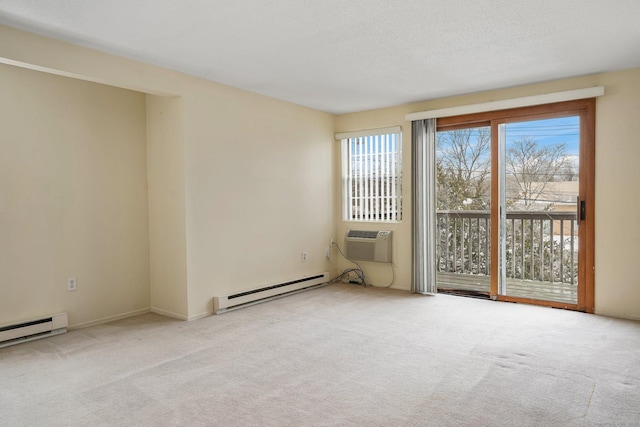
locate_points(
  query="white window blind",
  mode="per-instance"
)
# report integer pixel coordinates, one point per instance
(371, 175)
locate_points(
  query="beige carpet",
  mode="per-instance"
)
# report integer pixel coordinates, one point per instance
(339, 355)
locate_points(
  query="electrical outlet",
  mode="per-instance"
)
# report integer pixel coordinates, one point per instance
(304, 256)
(72, 284)
(327, 251)
(331, 243)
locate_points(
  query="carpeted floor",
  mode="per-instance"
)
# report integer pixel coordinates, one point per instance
(338, 355)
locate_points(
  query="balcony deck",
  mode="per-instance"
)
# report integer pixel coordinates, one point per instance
(548, 291)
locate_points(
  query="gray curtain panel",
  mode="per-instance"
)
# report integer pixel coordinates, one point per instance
(423, 149)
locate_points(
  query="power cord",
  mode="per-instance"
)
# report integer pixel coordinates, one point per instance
(359, 272)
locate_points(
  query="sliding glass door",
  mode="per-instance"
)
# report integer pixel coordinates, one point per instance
(539, 181)
(463, 216)
(514, 205)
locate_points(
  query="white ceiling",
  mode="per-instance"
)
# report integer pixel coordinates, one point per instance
(351, 55)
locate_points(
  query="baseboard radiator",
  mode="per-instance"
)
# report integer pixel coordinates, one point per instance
(33, 329)
(243, 299)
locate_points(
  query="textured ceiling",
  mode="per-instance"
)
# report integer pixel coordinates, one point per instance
(351, 55)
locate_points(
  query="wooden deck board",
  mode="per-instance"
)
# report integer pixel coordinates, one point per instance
(558, 292)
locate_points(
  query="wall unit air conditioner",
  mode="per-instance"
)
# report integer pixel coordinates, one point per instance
(362, 245)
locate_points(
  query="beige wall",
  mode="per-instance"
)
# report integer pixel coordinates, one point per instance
(617, 176)
(73, 198)
(167, 226)
(259, 192)
(239, 184)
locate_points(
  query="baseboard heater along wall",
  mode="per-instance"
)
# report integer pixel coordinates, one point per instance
(33, 329)
(225, 303)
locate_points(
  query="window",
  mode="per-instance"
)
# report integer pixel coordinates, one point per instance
(371, 175)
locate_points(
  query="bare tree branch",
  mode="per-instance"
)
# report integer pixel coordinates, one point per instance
(530, 167)
(463, 168)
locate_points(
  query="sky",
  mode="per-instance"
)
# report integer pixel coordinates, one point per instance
(548, 132)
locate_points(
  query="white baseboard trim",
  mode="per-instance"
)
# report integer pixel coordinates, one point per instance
(200, 316)
(137, 313)
(108, 319)
(617, 316)
(168, 313)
